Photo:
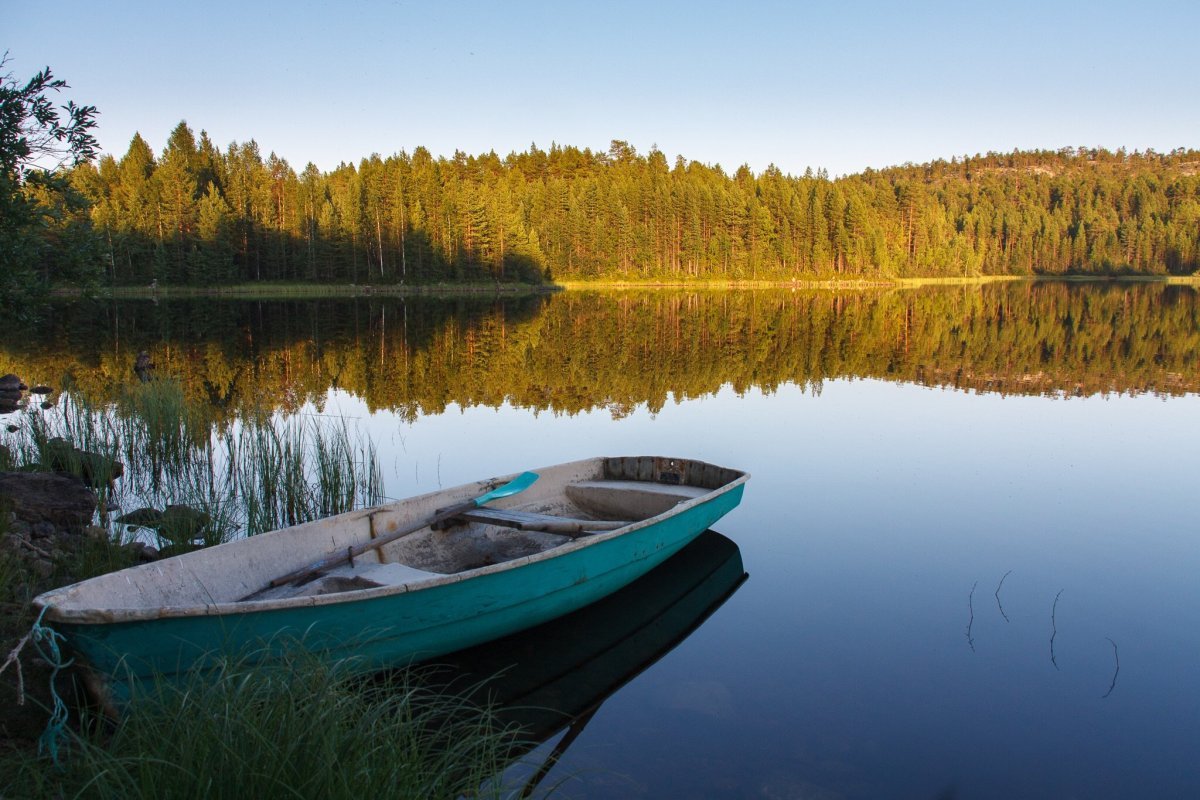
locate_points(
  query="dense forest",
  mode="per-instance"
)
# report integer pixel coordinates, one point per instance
(195, 214)
(581, 351)
(198, 215)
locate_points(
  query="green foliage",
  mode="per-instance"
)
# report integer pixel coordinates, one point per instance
(31, 128)
(617, 215)
(45, 228)
(298, 728)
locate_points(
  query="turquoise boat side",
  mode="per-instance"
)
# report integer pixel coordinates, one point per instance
(397, 628)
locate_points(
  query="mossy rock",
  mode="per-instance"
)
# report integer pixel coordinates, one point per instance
(181, 524)
(178, 524)
(94, 469)
(142, 517)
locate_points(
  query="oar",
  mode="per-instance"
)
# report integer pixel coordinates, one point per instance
(515, 486)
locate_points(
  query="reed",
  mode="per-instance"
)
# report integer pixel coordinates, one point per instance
(160, 430)
(295, 470)
(261, 473)
(299, 727)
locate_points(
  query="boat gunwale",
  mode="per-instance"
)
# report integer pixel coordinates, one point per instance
(232, 608)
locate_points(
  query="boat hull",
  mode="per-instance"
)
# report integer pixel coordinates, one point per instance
(390, 630)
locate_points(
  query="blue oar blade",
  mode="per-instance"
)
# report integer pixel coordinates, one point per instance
(515, 486)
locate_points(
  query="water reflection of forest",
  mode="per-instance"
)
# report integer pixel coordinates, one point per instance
(577, 351)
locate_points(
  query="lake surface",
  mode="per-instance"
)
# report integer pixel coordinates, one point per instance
(971, 531)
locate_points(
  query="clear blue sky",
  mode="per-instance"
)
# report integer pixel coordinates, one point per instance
(840, 85)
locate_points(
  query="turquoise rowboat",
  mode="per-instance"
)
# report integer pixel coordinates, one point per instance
(404, 590)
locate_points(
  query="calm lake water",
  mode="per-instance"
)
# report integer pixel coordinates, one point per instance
(971, 531)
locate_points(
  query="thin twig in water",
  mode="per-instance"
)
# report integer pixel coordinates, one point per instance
(971, 621)
(1054, 627)
(1116, 658)
(998, 604)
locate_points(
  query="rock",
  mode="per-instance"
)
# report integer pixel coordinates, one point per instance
(10, 395)
(143, 366)
(42, 530)
(10, 382)
(41, 389)
(181, 524)
(95, 469)
(13, 428)
(142, 551)
(42, 567)
(95, 532)
(144, 517)
(61, 500)
(46, 405)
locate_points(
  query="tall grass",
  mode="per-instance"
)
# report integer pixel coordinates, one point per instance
(261, 473)
(299, 728)
(296, 470)
(160, 431)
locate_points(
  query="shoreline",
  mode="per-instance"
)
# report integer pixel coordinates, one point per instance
(315, 291)
(254, 291)
(874, 283)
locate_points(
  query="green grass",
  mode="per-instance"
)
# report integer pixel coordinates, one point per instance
(298, 728)
(261, 473)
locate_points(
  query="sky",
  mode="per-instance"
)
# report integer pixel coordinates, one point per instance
(841, 85)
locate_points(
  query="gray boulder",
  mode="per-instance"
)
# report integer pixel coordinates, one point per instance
(61, 500)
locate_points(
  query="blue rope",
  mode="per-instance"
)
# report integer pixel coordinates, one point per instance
(47, 640)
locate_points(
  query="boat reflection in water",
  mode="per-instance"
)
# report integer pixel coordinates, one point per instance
(556, 676)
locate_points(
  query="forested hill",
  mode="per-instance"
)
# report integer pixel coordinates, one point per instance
(194, 214)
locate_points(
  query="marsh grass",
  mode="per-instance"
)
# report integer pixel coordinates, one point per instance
(295, 470)
(160, 431)
(260, 473)
(298, 727)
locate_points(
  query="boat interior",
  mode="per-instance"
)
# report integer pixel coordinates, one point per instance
(629, 490)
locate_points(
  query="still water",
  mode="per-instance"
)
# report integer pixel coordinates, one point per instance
(970, 533)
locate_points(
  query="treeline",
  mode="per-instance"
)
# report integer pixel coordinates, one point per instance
(581, 351)
(195, 214)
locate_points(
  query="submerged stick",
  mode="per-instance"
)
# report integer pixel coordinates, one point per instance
(1054, 627)
(998, 603)
(971, 621)
(1117, 658)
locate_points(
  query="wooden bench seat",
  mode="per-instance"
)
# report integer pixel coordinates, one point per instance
(528, 521)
